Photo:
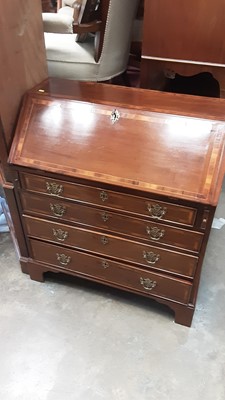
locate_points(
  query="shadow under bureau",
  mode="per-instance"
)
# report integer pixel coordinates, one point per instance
(114, 192)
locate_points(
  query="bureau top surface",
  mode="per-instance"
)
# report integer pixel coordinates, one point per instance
(166, 154)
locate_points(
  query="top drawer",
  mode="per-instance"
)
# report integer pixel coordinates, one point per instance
(156, 210)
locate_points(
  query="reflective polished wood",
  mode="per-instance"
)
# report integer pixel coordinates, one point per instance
(166, 145)
(119, 186)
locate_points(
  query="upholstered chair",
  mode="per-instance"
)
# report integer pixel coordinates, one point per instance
(70, 8)
(72, 59)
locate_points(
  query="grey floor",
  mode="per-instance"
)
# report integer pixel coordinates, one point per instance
(72, 340)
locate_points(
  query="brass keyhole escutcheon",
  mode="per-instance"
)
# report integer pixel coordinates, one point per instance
(103, 195)
(105, 216)
(115, 116)
(104, 240)
(105, 264)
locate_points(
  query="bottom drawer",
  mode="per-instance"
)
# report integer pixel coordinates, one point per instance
(108, 271)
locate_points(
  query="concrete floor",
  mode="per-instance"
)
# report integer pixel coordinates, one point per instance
(73, 340)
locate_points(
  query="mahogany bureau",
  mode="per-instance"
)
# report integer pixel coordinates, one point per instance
(112, 191)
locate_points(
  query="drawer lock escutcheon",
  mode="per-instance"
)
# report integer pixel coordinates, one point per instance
(115, 116)
(63, 259)
(60, 235)
(54, 188)
(105, 264)
(147, 283)
(151, 257)
(103, 195)
(105, 216)
(104, 240)
(57, 209)
(156, 211)
(155, 233)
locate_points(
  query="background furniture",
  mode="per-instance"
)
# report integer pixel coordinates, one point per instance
(134, 216)
(78, 11)
(68, 59)
(46, 6)
(185, 37)
(82, 11)
(81, 17)
(22, 66)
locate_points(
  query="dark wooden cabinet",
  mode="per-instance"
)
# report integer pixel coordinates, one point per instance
(23, 59)
(112, 191)
(46, 5)
(183, 36)
(22, 65)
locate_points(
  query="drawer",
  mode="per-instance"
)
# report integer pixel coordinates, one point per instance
(156, 210)
(111, 272)
(112, 246)
(110, 221)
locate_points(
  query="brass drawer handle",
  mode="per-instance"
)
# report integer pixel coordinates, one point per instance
(60, 235)
(147, 283)
(104, 240)
(57, 209)
(105, 216)
(151, 257)
(155, 233)
(103, 195)
(105, 264)
(156, 211)
(54, 188)
(63, 259)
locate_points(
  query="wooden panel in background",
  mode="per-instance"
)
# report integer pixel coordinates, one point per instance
(186, 30)
(23, 61)
(46, 5)
(185, 37)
